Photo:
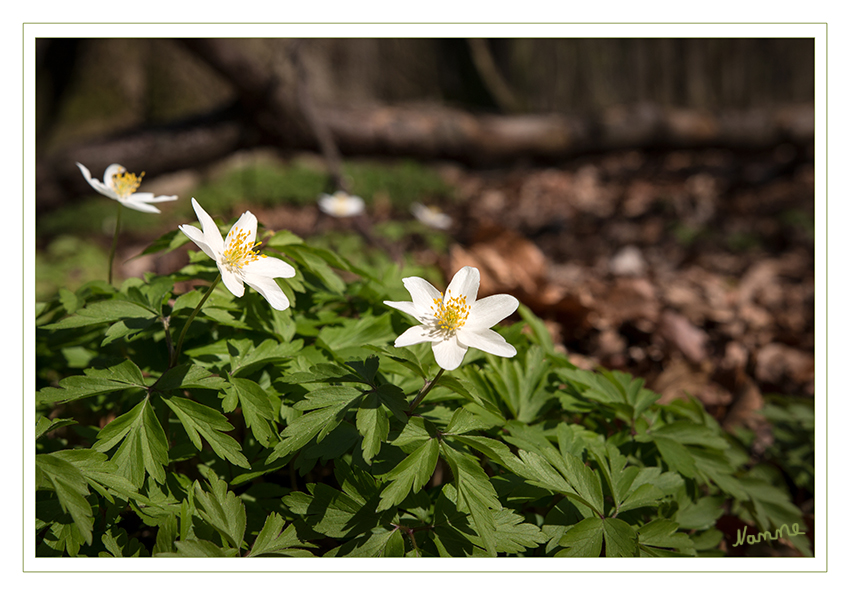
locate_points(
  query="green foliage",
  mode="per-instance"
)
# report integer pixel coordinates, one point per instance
(291, 434)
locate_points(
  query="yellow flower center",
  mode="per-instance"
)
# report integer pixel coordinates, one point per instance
(239, 251)
(450, 313)
(125, 183)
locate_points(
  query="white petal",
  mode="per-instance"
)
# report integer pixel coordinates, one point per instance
(96, 184)
(406, 307)
(449, 353)
(248, 223)
(413, 335)
(136, 205)
(231, 281)
(112, 170)
(465, 283)
(148, 197)
(197, 236)
(269, 289)
(212, 236)
(488, 311)
(268, 267)
(422, 292)
(486, 340)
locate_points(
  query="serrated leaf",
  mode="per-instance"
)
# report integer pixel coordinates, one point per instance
(70, 487)
(327, 407)
(475, 493)
(513, 535)
(121, 546)
(256, 409)
(405, 357)
(200, 548)
(102, 312)
(411, 474)
(373, 425)
(189, 376)
(144, 447)
(273, 540)
(381, 542)
(676, 456)
(686, 432)
(246, 358)
(357, 332)
(222, 509)
(620, 538)
(199, 420)
(125, 375)
(45, 425)
(583, 540)
(101, 474)
(662, 533)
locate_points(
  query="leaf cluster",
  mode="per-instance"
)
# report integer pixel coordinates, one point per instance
(291, 433)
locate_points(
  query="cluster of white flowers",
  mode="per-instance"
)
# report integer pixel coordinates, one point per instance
(452, 323)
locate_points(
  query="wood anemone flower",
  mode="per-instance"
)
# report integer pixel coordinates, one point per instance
(341, 204)
(237, 257)
(121, 185)
(431, 216)
(456, 321)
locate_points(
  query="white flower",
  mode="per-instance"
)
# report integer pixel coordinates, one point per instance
(121, 185)
(237, 258)
(341, 204)
(431, 216)
(456, 321)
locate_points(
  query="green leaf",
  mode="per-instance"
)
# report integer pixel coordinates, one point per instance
(411, 474)
(328, 406)
(405, 357)
(201, 548)
(333, 513)
(357, 332)
(583, 540)
(373, 425)
(121, 546)
(245, 358)
(102, 312)
(662, 534)
(144, 447)
(513, 535)
(256, 408)
(101, 474)
(70, 486)
(314, 260)
(475, 493)
(701, 514)
(686, 432)
(381, 542)
(274, 541)
(125, 375)
(189, 376)
(676, 456)
(45, 425)
(222, 509)
(620, 539)
(199, 420)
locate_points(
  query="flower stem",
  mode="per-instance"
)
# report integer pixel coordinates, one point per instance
(114, 242)
(197, 309)
(425, 390)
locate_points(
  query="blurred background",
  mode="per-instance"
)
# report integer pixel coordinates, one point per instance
(652, 200)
